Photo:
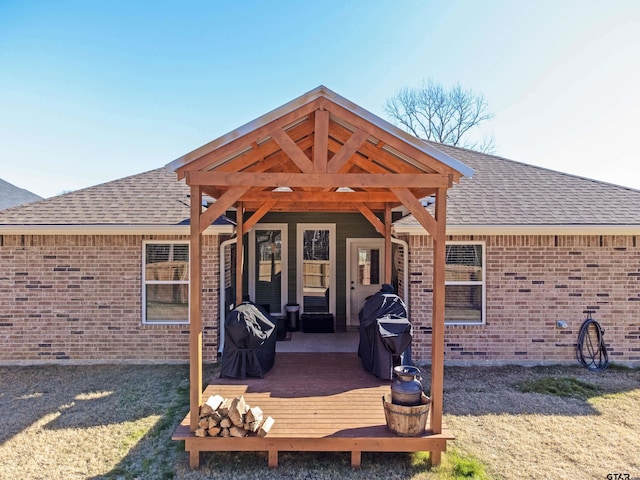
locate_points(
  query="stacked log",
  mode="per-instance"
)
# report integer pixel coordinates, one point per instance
(231, 417)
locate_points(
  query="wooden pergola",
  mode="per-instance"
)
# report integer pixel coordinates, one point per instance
(319, 152)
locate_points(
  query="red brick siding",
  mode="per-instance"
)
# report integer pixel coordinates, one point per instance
(533, 281)
(78, 298)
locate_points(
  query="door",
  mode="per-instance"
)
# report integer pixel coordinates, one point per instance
(316, 267)
(366, 273)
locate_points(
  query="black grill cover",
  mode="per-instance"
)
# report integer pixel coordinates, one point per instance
(385, 333)
(249, 342)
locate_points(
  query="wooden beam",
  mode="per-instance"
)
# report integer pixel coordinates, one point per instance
(239, 251)
(220, 206)
(437, 335)
(390, 162)
(387, 244)
(258, 214)
(369, 215)
(210, 155)
(368, 166)
(292, 150)
(315, 207)
(353, 180)
(417, 210)
(343, 155)
(402, 146)
(328, 197)
(321, 141)
(195, 308)
(258, 153)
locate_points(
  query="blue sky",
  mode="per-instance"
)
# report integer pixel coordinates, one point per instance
(91, 91)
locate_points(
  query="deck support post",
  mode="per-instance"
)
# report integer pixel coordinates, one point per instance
(273, 458)
(437, 335)
(356, 458)
(387, 244)
(194, 458)
(239, 251)
(195, 307)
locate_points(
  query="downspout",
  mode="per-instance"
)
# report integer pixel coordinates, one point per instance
(405, 282)
(222, 295)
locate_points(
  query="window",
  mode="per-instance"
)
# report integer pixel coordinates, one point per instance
(368, 266)
(464, 294)
(165, 296)
(316, 267)
(268, 267)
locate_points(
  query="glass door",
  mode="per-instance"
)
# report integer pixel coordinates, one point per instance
(268, 267)
(316, 268)
(366, 273)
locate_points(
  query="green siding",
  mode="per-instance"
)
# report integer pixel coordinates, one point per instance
(348, 225)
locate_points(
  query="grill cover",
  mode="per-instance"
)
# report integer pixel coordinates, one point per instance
(249, 342)
(385, 333)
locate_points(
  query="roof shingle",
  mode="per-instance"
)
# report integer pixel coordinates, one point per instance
(502, 192)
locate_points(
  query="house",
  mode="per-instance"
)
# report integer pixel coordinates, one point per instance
(102, 274)
(11, 196)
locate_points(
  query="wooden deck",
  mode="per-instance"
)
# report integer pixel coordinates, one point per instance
(320, 402)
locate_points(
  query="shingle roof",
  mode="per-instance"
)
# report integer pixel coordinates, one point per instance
(502, 192)
(510, 193)
(150, 198)
(11, 196)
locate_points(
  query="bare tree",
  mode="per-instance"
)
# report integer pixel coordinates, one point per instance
(432, 113)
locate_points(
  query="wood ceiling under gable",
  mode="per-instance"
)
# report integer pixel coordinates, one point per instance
(319, 156)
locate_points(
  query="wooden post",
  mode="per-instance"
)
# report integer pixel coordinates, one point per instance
(437, 335)
(195, 310)
(321, 141)
(239, 251)
(387, 244)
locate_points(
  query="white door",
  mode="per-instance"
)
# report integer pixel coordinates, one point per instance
(366, 273)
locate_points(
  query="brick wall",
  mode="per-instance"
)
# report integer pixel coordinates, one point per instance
(78, 298)
(533, 281)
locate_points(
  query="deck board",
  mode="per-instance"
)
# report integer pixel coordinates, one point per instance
(320, 402)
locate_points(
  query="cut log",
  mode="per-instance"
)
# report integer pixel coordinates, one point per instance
(266, 426)
(211, 405)
(253, 415)
(237, 432)
(223, 409)
(216, 417)
(231, 417)
(237, 411)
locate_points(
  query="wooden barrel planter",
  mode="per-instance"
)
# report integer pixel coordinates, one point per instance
(406, 421)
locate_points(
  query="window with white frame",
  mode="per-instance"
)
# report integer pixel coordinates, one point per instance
(316, 267)
(465, 283)
(165, 294)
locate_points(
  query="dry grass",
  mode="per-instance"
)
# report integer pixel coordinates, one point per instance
(540, 436)
(116, 422)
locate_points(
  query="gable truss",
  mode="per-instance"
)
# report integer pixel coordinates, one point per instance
(319, 157)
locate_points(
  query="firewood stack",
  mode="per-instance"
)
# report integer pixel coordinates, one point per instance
(231, 417)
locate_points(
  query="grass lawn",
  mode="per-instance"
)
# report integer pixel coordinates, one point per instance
(112, 422)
